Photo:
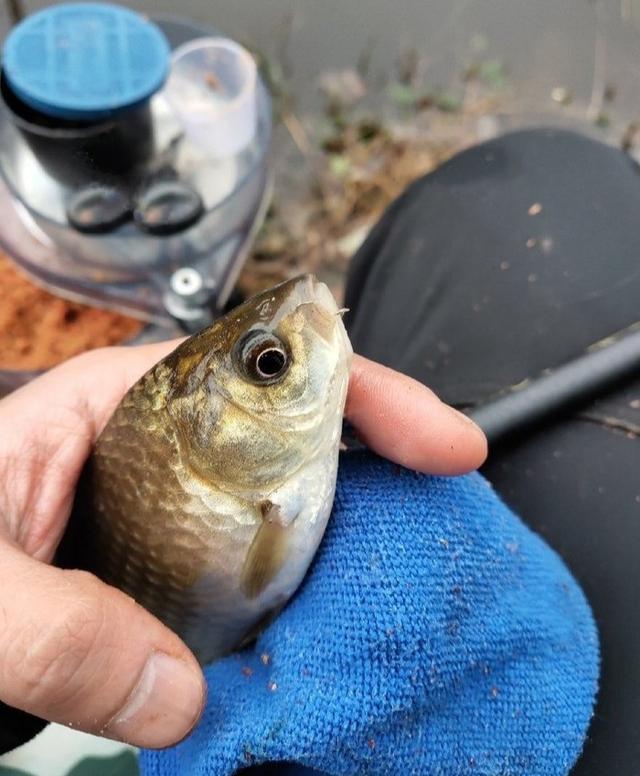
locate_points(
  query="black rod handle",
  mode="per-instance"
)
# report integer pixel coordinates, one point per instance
(599, 370)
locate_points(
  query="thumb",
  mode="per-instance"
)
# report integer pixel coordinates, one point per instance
(76, 651)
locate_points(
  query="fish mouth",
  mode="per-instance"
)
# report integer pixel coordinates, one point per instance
(322, 321)
(311, 297)
(322, 313)
(300, 289)
(307, 289)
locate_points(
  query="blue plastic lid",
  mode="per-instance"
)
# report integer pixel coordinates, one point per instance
(85, 60)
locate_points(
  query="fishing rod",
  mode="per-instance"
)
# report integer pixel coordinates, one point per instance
(603, 367)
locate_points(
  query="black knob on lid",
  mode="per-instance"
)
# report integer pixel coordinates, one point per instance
(95, 209)
(167, 207)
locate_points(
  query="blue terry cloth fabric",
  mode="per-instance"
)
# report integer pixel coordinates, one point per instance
(434, 635)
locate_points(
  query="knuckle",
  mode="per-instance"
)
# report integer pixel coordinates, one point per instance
(54, 659)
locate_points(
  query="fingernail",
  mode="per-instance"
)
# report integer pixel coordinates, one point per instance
(163, 707)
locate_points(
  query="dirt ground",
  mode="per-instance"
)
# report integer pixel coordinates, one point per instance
(335, 173)
(337, 170)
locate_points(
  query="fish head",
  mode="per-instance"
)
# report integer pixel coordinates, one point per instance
(262, 391)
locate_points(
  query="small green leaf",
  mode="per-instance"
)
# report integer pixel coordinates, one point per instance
(492, 73)
(448, 102)
(339, 165)
(403, 95)
(12, 772)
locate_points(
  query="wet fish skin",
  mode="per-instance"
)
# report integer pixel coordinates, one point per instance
(208, 492)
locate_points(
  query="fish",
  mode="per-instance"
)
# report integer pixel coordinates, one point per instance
(208, 492)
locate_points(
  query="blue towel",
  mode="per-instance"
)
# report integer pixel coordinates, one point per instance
(435, 634)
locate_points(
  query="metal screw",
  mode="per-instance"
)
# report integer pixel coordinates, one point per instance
(189, 285)
(187, 298)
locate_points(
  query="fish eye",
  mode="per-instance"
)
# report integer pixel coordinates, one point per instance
(264, 357)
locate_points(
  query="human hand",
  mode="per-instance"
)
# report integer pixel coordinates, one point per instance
(77, 651)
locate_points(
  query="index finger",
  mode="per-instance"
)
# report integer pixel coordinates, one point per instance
(404, 421)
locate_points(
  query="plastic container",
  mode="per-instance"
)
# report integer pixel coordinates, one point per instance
(127, 268)
(76, 82)
(212, 91)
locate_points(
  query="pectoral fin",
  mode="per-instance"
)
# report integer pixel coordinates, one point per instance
(267, 552)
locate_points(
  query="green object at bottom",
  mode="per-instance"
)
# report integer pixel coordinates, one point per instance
(123, 764)
(12, 772)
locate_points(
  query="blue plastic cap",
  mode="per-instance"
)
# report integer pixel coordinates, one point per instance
(85, 61)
